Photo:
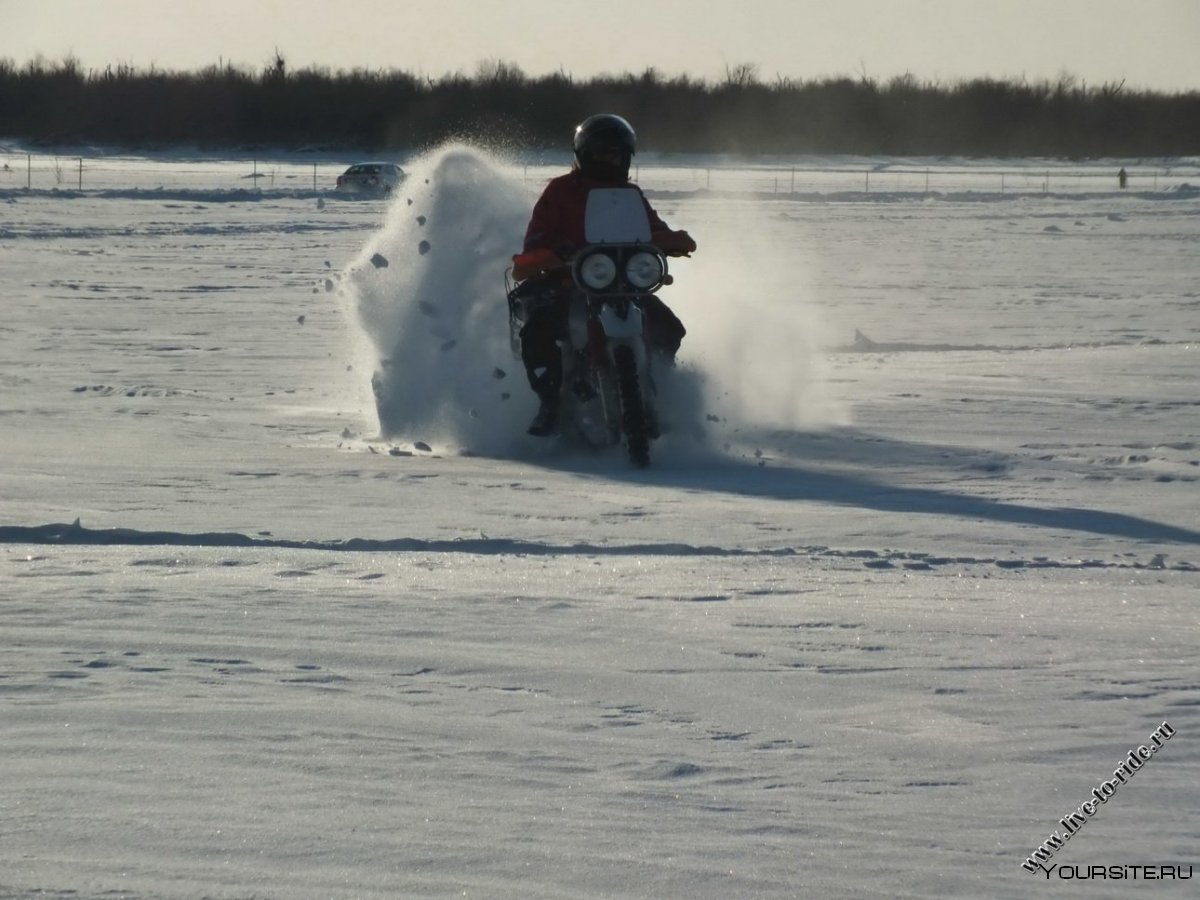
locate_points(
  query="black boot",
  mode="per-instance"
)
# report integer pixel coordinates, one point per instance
(544, 422)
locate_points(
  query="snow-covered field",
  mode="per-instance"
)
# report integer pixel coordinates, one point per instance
(915, 569)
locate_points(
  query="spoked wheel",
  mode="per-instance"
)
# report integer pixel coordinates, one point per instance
(633, 412)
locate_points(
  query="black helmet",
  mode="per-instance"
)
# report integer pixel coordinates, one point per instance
(605, 131)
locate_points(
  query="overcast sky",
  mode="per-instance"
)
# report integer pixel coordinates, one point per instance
(1151, 44)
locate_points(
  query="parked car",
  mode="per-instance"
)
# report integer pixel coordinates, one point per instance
(371, 178)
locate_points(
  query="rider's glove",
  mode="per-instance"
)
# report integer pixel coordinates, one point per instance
(674, 243)
(534, 262)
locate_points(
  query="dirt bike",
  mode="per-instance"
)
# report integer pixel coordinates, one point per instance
(607, 387)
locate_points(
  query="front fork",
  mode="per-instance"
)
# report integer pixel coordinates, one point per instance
(622, 325)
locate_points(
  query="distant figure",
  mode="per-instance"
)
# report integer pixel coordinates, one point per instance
(1122, 178)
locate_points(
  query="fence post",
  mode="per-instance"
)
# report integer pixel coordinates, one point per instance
(81, 173)
(867, 184)
(793, 179)
(314, 178)
(28, 171)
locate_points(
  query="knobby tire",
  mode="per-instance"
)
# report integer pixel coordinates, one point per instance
(633, 415)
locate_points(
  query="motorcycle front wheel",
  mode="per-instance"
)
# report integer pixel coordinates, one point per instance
(633, 411)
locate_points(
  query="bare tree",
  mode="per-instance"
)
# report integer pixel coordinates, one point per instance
(741, 75)
(498, 71)
(276, 69)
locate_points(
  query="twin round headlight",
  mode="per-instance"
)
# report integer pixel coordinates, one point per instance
(597, 271)
(641, 270)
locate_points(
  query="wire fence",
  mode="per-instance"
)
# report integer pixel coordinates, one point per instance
(33, 171)
(78, 173)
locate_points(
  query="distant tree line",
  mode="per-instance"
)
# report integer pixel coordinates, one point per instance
(364, 110)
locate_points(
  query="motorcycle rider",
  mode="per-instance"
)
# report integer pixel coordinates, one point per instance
(604, 146)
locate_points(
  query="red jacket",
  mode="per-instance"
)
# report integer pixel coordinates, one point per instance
(557, 220)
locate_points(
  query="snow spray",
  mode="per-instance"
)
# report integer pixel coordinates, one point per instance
(751, 329)
(429, 292)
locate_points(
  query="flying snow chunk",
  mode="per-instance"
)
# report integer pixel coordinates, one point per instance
(379, 261)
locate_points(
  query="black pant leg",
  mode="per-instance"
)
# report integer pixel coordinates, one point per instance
(540, 351)
(664, 331)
